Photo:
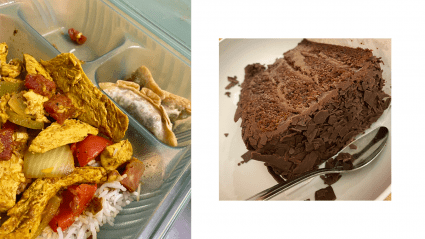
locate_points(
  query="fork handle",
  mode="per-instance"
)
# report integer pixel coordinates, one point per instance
(279, 188)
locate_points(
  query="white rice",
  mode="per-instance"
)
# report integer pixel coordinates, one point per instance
(114, 197)
(94, 163)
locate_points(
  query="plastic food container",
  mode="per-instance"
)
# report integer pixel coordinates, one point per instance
(122, 36)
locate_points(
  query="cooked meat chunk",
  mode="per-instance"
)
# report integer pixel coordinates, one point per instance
(34, 68)
(13, 69)
(3, 105)
(25, 216)
(134, 171)
(97, 109)
(35, 106)
(23, 186)
(57, 135)
(11, 176)
(115, 155)
(113, 175)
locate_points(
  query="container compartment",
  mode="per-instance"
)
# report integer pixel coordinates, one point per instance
(23, 39)
(167, 72)
(95, 20)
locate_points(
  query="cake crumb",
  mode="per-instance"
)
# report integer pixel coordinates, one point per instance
(228, 94)
(226, 134)
(352, 146)
(15, 32)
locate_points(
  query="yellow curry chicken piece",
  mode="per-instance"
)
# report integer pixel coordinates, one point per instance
(97, 109)
(35, 106)
(3, 104)
(34, 68)
(115, 155)
(13, 69)
(11, 176)
(56, 135)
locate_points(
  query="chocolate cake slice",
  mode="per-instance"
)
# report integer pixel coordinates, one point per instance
(308, 105)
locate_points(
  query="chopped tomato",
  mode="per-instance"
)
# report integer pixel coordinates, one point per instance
(6, 143)
(134, 171)
(76, 36)
(40, 85)
(75, 200)
(81, 40)
(90, 148)
(59, 107)
(10, 125)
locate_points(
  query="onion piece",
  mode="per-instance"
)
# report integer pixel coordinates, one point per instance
(17, 103)
(57, 162)
(49, 212)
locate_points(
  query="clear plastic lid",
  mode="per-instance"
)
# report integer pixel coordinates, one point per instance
(168, 19)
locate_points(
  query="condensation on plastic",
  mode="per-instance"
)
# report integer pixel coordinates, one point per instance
(116, 46)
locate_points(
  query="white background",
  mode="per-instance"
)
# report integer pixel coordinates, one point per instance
(404, 216)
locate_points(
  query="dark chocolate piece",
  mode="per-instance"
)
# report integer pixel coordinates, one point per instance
(330, 178)
(232, 83)
(232, 79)
(325, 194)
(246, 156)
(342, 159)
(227, 93)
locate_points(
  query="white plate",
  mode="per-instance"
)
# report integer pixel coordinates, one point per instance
(241, 182)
